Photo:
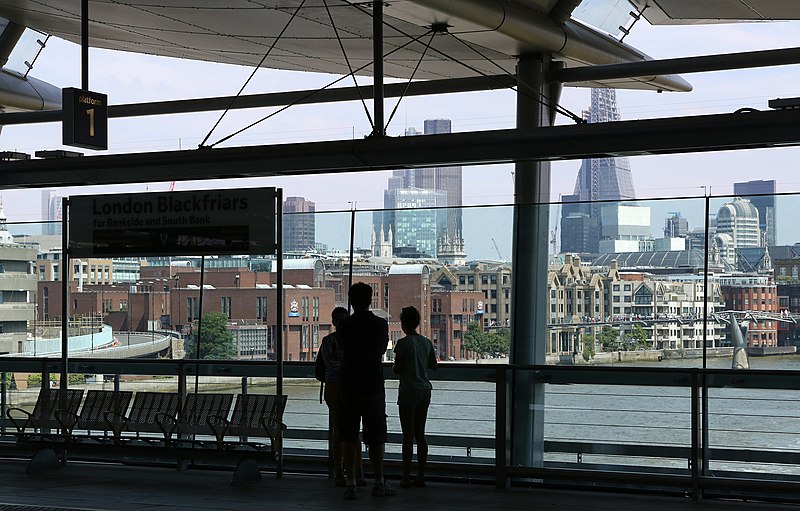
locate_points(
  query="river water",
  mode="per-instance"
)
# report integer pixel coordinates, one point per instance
(615, 414)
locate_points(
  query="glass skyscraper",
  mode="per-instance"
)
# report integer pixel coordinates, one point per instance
(598, 179)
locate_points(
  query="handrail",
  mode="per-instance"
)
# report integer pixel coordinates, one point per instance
(690, 460)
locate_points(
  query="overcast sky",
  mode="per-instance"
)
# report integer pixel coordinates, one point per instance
(131, 78)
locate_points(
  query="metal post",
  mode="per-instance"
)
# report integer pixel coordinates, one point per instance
(530, 254)
(501, 427)
(65, 269)
(3, 398)
(279, 308)
(85, 44)
(352, 249)
(379, 129)
(199, 325)
(279, 298)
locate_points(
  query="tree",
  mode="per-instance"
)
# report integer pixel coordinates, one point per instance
(639, 340)
(588, 346)
(485, 343)
(608, 337)
(216, 341)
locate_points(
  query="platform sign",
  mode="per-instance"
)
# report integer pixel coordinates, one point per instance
(85, 118)
(205, 222)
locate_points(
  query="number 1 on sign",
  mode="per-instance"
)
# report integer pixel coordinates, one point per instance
(90, 113)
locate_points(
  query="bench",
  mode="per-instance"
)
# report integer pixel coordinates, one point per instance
(207, 427)
(92, 414)
(43, 417)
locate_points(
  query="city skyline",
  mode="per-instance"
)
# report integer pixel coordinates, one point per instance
(131, 78)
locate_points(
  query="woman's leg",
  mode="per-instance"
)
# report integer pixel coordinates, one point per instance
(420, 417)
(332, 400)
(407, 425)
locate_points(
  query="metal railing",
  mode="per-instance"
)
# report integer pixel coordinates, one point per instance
(704, 432)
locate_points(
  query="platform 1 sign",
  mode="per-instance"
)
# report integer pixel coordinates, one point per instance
(206, 222)
(85, 118)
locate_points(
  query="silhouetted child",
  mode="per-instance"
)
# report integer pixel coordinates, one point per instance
(414, 355)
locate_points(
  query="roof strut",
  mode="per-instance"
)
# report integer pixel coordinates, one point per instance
(378, 129)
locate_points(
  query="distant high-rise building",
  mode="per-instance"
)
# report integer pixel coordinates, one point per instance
(599, 179)
(299, 226)
(51, 212)
(410, 219)
(422, 188)
(737, 228)
(676, 226)
(446, 179)
(761, 194)
(604, 178)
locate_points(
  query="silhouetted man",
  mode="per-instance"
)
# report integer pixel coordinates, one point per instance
(363, 337)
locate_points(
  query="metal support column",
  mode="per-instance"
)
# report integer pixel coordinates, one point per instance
(529, 313)
(377, 67)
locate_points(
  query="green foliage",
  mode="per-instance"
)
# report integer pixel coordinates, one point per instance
(637, 339)
(72, 379)
(588, 347)
(485, 343)
(609, 337)
(36, 379)
(216, 341)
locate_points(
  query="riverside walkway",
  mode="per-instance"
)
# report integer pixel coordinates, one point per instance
(99, 487)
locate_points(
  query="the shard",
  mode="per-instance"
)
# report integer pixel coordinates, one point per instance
(599, 179)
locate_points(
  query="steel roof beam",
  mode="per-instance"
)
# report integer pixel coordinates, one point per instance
(750, 130)
(277, 99)
(680, 65)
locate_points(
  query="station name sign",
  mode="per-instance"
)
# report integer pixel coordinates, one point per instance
(207, 222)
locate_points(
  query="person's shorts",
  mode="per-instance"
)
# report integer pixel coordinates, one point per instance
(414, 398)
(357, 406)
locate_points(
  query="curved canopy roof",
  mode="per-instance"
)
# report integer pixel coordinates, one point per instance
(470, 37)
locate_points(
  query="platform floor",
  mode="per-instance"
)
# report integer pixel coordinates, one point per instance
(118, 487)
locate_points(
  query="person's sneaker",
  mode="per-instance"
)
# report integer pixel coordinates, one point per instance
(340, 481)
(405, 482)
(419, 482)
(350, 493)
(383, 490)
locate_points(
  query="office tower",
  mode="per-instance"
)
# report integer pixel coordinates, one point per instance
(625, 228)
(299, 228)
(676, 226)
(421, 188)
(765, 204)
(737, 228)
(446, 179)
(51, 212)
(410, 221)
(599, 179)
(604, 178)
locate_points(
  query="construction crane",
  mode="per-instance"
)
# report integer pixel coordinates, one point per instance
(497, 249)
(554, 232)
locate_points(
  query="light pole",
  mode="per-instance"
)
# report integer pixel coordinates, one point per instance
(35, 314)
(129, 315)
(178, 286)
(152, 321)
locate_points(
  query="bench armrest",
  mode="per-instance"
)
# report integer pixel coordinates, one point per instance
(67, 419)
(274, 429)
(21, 423)
(167, 424)
(219, 425)
(116, 423)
